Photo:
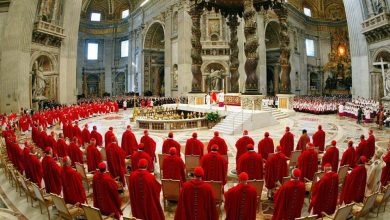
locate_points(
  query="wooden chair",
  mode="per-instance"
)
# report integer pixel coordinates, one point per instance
(86, 177)
(294, 158)
(310, 217)
(341, 213)
(259, 185)
(218, 190)
(29, 192)
(43, 199)
(66, 211)
(171, 190)
(191, 162)
(92, 213)
(161, 158)
(382, 199)
(343, 171)
(360, 210)
(309, 185)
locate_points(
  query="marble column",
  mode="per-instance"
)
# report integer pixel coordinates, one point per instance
(196, 52)
(251, 46)
(284, 60)
(234, 63)
(168, 54)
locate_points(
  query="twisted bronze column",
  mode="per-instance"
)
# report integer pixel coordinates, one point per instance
(196, 51)
(234, 62)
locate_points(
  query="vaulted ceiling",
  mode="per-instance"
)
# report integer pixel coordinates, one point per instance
(326, 9)
(110, 9)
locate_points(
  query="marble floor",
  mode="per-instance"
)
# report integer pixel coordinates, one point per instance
(12, 206)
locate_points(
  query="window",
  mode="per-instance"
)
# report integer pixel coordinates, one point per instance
(125, 48)
(95, 16)
(93, 49)
(307, 12)
(310, 49)
(125, 13)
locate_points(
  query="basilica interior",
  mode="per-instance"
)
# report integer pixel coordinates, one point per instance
(272, 63)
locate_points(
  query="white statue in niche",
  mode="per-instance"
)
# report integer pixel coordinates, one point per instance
(215, 77)
(386, 83)
(175, 77)
(39, 82)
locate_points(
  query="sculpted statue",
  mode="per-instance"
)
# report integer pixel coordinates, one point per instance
(215, 77)
(175, 76)
(379, 6)
(386, 84)
(39, 83)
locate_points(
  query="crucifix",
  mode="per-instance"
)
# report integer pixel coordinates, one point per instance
(382, 64)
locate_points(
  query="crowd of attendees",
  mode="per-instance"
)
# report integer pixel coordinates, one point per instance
(319, 104)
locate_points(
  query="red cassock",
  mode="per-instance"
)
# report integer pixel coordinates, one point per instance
(349, 158)
(34, 134)
(370, 149)
(319, 139)
(42, 140)
(196, 201)
(51, 175)
(215, 167)
(361, 148)
(129, 142)
(241, 202)
(324, 194)
(149, 146)
(251, 163)
(331, 156)
(144, 194)
(17, 155)
(303, 141)
(385, 177)
(168, 143)
(72, 186)
(98, 137)
(138, 155)
(354, 186)
(105, 194)
(35, 170)
(275, 169)
(116, 161)
(77, 131)
(194, 147)
(86, 136)
(70, 130)
(214, 96)
(222, 147)
(288, 200)
(173, 168)
(51, 142)
(287, 143)
(65, 129)
(108, 137)
(75, 154)
(62, 148)
(241, 146)
(93, 157)
(265, 147)
(26, 162)
(308, 163)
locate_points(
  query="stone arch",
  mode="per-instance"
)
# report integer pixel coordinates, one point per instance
(51, 57)
(208, 63)
(209, 67)
(383, 52)
(153, 33)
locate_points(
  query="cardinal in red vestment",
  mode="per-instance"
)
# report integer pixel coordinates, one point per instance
(62, 147)
(129, 142)
(144, 191)
(17, 155)
(72, 185)
(105, 193)
(35, 168)
(51, 173)
(242, 143)
(173, 167)
(213, 97)
(222, 147)
(51, 142)
(42, 135)
(170, 142)
(214, 166)
(349, 156)
(141, 154)
(108, 136)
(308, 162)
(26, 160)
(385, 176)
(266, 146)
(303, 141)
(319, 139)
(86, 135)
(99, 138)
(275, 169)
(288, 201)
(287, 142)
(194, 146)
(331, 156)
(370, 148)
(325, 192)
(361, 148)
(251, 163)
(94, 156)
(77, 130)
(74, 152)
(241, 200)
(355, 184)
(149, 145)
(197, 200)
(116, 160)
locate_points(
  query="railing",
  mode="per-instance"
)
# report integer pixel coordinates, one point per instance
(375, 22)
(177, 124)
(49, 28)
